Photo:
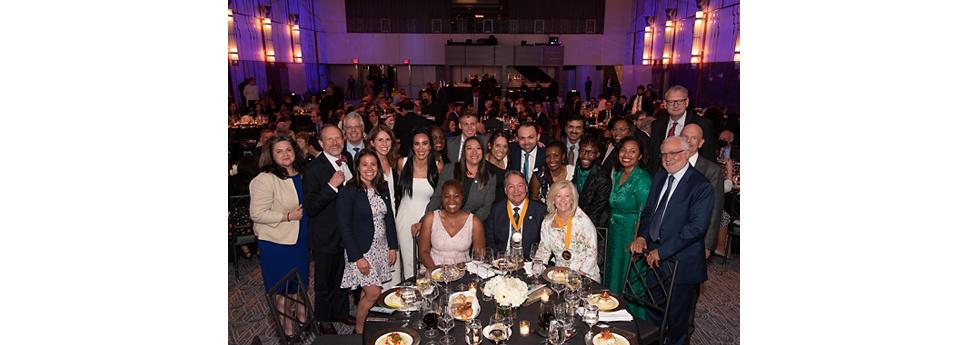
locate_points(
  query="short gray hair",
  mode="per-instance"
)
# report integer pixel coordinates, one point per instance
(678, 88)
(353, 115)
(682, 141)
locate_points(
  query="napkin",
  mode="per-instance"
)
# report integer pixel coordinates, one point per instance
(480, 270)
(610, 316)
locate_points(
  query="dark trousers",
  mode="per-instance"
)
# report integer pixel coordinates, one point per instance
(331, 301)
(683, 299)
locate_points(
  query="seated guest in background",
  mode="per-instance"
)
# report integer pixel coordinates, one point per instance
(478, 185)
(497, 162)
(277, 218)
(620, 128)
(630, 190)
(440, 144)
(367, 232)
(728, 147)
(515, 215)
(447, 236)
(302, 140)
(593, 182)
(552, 171)
(568, 233)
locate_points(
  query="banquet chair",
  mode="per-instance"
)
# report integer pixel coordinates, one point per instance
(733, 230)
(240, 227)
(294, 295)
(651, 289)
(602, 233)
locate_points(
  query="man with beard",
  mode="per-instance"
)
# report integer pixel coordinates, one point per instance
(574, 130)
(593, 182)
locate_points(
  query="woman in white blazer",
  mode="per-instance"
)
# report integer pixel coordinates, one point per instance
(278, 222)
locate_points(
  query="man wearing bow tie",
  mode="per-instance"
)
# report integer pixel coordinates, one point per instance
(324, 178)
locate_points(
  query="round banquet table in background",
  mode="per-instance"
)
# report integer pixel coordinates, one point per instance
(374, 329)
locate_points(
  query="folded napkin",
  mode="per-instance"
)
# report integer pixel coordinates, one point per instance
(480, 269)
(610, 316)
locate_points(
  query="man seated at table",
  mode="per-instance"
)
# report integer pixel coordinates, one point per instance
(513, 216)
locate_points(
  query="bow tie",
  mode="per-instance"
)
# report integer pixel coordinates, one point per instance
(340, 160)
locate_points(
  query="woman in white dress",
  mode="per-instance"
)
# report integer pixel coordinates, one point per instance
(382, 141)
(418, 173)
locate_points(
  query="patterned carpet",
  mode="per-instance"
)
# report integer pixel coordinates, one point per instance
(717, 314)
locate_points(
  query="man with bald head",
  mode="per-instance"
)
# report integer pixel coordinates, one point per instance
(673, 225)
(672, 123)
(694, 135)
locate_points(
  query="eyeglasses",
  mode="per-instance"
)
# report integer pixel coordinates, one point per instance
(675, 102)
(353, 127)
(666, 154)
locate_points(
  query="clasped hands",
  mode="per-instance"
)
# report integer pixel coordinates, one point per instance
(638, 246)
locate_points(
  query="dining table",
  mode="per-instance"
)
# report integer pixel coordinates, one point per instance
(379, 324)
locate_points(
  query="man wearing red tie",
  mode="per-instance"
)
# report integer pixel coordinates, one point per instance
(671, 124)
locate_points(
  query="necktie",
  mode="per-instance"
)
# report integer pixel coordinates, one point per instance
(660, 211)
(672, 130)
(356, 151)
(571, 155)
(517, 215)
(525, 169)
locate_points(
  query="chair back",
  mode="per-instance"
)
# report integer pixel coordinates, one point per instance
(293, 293)
(651, 288)
(602, 233)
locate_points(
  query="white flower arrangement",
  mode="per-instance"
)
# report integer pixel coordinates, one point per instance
(507, 291)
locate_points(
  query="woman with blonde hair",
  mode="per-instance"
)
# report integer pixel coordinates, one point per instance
(568, 233)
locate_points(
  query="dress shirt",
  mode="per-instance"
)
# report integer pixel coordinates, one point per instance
(342, 167)
(460, 149)
(611, 146)
(693, 159)
(681, 123)
(352, 148)
(675, 183)
(570, 147)
(637, 104)
(532, 156)
(511, 221)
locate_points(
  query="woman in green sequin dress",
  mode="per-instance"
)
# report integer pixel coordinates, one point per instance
(630, 188)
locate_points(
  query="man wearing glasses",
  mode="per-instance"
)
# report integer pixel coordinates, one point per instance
(671, 124)
(353, 131)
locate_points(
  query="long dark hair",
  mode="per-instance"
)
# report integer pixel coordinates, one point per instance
(460, 168)
(267, 164)
(378, 183)
(618, 147)
(406, 176)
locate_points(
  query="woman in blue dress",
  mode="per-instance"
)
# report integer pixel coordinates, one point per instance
(277, 217)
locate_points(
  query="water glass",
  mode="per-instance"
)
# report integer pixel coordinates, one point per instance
(557, 333)
(500, 329)
(430, 312)
(473, 332)
(446, 323)
(563, 314)
(591, 318)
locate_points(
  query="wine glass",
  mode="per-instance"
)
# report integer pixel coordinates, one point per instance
(558, 287)
(408, 294)
(430, 312)
(473, 332)
(499, 329)
(446, 323)
(591, 318)
(557, 332)
(535, 265)
(574, 281)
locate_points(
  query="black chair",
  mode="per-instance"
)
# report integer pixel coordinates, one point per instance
(293, 293)
(240, 227)
(602, 233)
(651, 288)
(732, 230)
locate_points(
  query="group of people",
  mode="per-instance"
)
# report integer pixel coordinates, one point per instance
(372, 210)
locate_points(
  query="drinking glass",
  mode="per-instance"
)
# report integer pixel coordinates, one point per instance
(562, 313)
(446, 323)
(557, 287)
(557, 332)
(573, 301)
(473, 332)
(574, 281)
(499, 329)
(591, 318)
(430, 312)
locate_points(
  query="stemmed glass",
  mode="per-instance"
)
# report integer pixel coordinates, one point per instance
(446, 323)
(574, 281)
(562, 314)
(408, 294)
(473, 332)
(591, 318)
(557, 332)
(536, 266)
(558, 287)
(430, 312)
(499, 329)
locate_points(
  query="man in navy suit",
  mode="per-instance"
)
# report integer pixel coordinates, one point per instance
(673, 225)
(528, 214)
(525, 155)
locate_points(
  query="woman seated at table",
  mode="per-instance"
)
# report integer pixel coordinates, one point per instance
(447, 235)
(368, 232)
(568, 233)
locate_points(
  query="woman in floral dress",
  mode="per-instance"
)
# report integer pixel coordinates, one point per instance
(568, 233)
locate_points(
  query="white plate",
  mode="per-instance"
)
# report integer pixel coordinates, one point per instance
(475, 305)
(603, 304)
(489, 328)
(619, 340)
(382, 340)
(392, 301)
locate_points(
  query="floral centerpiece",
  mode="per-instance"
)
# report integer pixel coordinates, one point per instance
(508, 292)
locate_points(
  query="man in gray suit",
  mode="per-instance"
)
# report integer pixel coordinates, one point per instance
(468, 127)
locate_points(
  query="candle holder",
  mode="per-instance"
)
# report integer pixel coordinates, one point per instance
(524, 327)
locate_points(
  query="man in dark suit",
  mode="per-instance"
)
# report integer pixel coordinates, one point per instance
(728, 146)
(620, 129)
(639, 102)
(525, 155)
(643, 133)
(323, 178)
(500, 229)
(593, 182)
(713, 173)
(677, 100)
(468, 128)
(673, 224)
(544, 122)
(476, 101)
(431, 108)
(406, 124)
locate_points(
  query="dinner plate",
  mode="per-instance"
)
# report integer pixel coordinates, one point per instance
(390, 299)
(556, 274)
(475, 305)
(408, 336)
(489, 328)
(613, 302)
(438, 275)
(617, 339)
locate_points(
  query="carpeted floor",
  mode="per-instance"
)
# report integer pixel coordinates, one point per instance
(717, 314)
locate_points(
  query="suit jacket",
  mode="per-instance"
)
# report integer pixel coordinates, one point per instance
(714, 174)
(498, 226)
(708, 150)
(356, 222)
(608, 162)
(319, 203)
(684, 225)
(454, 146)
(644, 106)
(646, 142)
(478, 201)
(270, 198)
(514, 159)
(593, 198)
(545, 123)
